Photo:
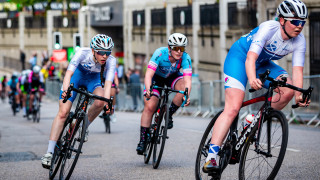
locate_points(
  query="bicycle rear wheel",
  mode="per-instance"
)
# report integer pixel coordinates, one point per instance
(59, 149)
(160, 135)
(256, 163)
(73, 147)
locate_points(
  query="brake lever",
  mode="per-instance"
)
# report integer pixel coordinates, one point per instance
(68, 93)
(151, 89)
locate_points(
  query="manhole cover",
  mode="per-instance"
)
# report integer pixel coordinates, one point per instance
(17, 156)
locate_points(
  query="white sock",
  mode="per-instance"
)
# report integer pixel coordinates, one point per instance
(51, 146)
(24, 110)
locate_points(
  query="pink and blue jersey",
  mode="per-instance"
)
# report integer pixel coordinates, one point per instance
(160, 63)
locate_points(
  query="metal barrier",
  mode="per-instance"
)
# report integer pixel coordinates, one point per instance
(207, 98)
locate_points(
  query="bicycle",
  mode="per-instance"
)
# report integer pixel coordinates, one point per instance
(159, 127)
(260, 147)
(71, 139)
(12, 100)
(106, 120)
(36, 108)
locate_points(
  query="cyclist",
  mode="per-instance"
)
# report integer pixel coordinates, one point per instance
(251, 55)
(85, 69)
(114, 91)
(24, 89)
(3, 86)
(36, 83)
(163, 68)
(13, 90)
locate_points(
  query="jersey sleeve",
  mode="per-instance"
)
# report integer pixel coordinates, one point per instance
(265, 32)
(299, 51)
(155, 60)
(110, 68)
(76, 60)
(41, 77)
(186, 65)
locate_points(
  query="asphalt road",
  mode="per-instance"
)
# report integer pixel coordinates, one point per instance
(113, 156)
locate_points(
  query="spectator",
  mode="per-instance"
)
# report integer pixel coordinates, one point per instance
(22, 59)
(134, 82)
(120, 72)
(33, 60)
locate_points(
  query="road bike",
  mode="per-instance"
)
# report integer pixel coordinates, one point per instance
(36, 107)
(106, 120)
(260, 147)
(12, 101)
(158, 130)
(71, 139)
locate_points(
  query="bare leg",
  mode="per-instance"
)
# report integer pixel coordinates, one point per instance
(149, 108)
(283, 96)
(58, 122)
(233, 102)
(97, 106)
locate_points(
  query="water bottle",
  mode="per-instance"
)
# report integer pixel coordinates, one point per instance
(247, 121)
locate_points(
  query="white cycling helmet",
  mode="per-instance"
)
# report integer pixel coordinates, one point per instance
(101, 42)
(36, 69)
(293, 8)
(177, 39)
(26, 72)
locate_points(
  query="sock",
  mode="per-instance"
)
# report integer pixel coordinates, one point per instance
(172, 109)
(24, 110)
(143, 133)
(51, 146)
(213, 152)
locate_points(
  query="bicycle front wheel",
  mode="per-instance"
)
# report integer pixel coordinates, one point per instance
(147, 153)
(75, 138)
(257, 162)
(160, 135)
(59, 149)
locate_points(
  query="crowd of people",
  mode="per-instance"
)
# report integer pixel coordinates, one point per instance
(23, 86)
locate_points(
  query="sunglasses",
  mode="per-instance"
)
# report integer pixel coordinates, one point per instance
(176, 48)
(102, 53)
(296, 22)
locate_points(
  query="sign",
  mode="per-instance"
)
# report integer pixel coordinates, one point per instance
(107, 14)
(59, 55)
(71, 53)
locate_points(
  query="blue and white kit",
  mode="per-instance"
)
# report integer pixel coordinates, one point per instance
(267, 42)
(87, 72)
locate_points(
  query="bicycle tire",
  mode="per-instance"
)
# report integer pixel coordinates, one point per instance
(69, 159)
(58, 149)
(106, 120)
(203, 149)
(160, 135)
(14, 106)
(148, 151)
(248, 169)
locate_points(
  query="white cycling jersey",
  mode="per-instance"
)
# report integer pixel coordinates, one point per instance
(268, 43)
(84, 58)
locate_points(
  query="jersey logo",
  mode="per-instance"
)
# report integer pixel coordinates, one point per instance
(272, 46)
